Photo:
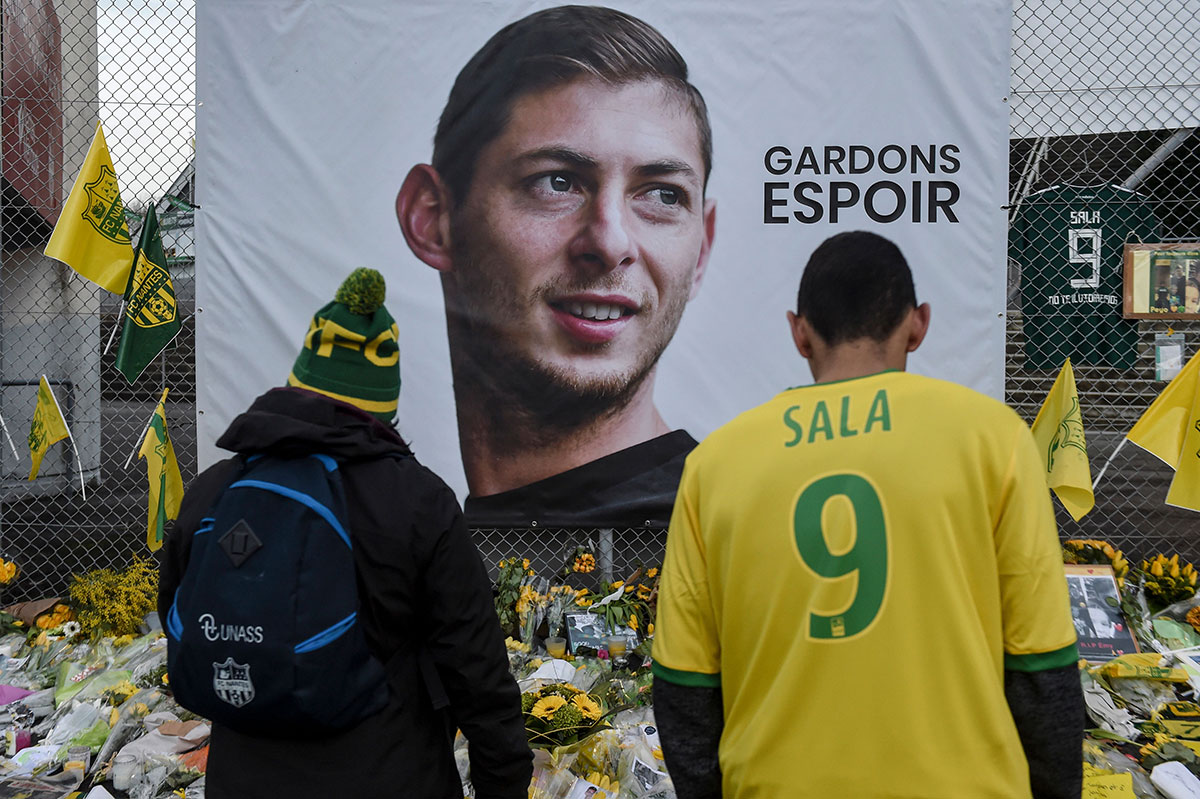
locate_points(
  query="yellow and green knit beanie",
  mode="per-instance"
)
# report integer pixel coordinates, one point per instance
(351, 351)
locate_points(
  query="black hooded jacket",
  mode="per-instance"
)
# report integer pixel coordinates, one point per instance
(422, 587)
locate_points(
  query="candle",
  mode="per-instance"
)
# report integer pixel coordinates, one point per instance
(122, 772)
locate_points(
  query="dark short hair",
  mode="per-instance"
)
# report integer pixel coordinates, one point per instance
(856, 285)
(550, 48)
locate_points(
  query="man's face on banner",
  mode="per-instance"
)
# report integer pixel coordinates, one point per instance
(582, 236)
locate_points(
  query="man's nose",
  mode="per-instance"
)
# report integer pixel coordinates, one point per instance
(605, 240)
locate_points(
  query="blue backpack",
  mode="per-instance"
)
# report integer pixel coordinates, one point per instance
(263, 634)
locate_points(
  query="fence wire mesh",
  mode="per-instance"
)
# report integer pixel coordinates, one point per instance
(1103, 152)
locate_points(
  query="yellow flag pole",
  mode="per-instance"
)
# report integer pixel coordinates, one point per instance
(11, 445)
(1104, 468)
(141, 438)
(71, 438)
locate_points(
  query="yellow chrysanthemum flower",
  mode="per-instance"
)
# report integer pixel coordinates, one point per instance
(587, 706)
(527, 596)
(616, 585)
(643, 592)
(545, 709)
(651, 574)
(633, 622)
(650, 628)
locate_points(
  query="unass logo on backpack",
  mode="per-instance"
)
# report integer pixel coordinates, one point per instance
(231, 682)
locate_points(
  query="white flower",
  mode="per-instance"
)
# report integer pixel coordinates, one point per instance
(71, 629)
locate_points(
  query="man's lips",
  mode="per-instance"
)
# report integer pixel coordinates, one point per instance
(593, 318)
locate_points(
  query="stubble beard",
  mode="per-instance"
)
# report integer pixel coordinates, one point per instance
(523, 401)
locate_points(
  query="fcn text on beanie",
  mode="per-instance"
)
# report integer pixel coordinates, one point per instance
(351, 351)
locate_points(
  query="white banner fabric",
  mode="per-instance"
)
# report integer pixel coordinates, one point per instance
(311, 113)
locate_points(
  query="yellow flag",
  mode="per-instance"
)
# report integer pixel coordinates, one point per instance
(1058, 431)
(1170, 430)
(92, 236)
(48, 426)
(162, 470)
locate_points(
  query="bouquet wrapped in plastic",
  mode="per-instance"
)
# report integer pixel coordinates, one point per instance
(561, 714)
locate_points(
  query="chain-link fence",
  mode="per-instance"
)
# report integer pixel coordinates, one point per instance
(1105, 151)
(66, 65)
(1104, 107)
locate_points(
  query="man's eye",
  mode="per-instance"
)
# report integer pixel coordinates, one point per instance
(668, 196)
(559, 183)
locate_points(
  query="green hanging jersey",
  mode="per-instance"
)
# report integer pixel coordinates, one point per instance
(1070, 241)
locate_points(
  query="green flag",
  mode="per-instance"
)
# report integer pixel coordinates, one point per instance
(151, 315)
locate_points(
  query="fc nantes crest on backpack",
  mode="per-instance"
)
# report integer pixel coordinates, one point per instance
(151, 315)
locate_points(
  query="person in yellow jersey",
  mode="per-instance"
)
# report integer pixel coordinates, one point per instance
(863, 592)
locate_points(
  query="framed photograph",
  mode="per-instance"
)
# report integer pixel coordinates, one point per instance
(590, 630)
(1162, 281)
(1096, 610)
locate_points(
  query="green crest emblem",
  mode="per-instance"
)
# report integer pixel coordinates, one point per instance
(37, 434)
(1068, 434)
(105, 211)
(152, 300)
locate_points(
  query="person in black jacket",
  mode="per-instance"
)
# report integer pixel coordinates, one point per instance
(422, 586)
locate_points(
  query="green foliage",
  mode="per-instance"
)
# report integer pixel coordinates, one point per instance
(508, 590)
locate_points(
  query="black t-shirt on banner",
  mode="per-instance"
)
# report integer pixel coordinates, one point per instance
(634, 487)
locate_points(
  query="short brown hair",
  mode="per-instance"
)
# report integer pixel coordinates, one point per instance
(549, 48)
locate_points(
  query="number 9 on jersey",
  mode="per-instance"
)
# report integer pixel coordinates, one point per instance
(866, 558)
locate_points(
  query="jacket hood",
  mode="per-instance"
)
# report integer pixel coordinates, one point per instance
(290, 422)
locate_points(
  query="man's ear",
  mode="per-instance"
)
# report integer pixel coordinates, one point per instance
(710, 232)
(918, 326)
(801, 334)
(423, 210)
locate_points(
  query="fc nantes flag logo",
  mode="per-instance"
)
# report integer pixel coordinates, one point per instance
(1058, 431)
(91, 235)
(152, 297)
(104, 208)
(151, 317)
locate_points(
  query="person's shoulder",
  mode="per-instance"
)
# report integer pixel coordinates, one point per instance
(947, 392)
(960, 405)
(419, 480)
(739, 431)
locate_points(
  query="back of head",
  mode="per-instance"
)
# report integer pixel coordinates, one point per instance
(856, 285)
(550, 48)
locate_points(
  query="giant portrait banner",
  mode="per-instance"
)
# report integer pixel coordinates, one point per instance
(826, 116)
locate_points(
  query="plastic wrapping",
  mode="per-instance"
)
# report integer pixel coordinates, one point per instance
(1106, 758)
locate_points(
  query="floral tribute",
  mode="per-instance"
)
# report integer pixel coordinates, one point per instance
(113, 602)
(1166, 582)
(561, 714)
(1079, 550)
(529, 605)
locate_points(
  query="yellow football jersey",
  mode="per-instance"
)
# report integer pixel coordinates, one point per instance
(855, 564)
